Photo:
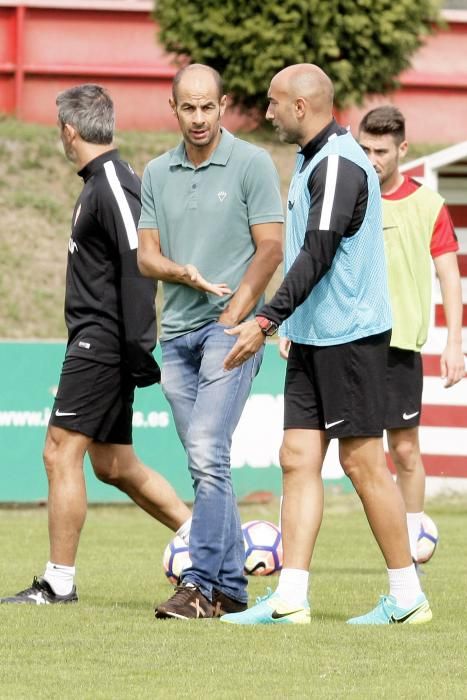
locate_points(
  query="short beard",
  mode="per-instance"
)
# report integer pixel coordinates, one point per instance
(289, 136)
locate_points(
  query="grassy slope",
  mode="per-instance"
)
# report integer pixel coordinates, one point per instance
(109, 645)
(38, 188)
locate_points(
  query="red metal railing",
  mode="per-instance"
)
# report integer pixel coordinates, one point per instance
(47, 45)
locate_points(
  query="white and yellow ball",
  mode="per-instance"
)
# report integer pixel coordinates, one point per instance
(427, 540)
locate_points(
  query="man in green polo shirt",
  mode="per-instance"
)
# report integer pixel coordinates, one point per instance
(211, 210)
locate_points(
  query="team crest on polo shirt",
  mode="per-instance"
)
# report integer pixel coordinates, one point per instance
(222, 196)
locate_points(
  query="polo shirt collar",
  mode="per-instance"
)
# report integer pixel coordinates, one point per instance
(220, 156)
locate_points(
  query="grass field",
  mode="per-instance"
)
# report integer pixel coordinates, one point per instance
(110, 645)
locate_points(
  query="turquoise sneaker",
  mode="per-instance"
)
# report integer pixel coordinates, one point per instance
(388, 613)
(270, 610)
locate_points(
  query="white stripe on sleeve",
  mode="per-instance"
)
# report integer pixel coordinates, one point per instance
(123, 205)
(329, 192)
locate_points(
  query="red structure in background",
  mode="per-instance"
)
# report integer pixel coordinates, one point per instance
(433, 92)
(46, 46)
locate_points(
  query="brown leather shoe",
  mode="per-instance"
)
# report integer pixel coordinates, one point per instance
(187, 603)
(223, 604)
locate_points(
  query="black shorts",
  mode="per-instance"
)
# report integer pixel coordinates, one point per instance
(338, 388)
(95, 400)
(404, 389)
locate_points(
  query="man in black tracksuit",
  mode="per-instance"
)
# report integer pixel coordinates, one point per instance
(110, 316)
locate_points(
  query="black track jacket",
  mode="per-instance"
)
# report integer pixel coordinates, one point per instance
(109, 306)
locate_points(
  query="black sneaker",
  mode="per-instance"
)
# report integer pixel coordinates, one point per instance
(223, 604)
(41, 593)
(187, 603)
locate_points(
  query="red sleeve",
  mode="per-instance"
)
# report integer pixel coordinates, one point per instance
(443, 239)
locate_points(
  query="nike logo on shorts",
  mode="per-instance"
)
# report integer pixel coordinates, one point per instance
(408, 416)
(336, 422)
(63, 413)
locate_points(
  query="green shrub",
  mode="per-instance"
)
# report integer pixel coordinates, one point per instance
(361, 44)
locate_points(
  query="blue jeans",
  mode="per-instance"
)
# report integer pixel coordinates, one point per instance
(207, 403)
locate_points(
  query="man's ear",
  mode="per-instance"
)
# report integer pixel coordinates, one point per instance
(69, 132)
(223, 104)
(403, 147)
(300, 107)
(173, 105)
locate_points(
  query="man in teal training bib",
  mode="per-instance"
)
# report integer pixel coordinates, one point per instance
(333, 306)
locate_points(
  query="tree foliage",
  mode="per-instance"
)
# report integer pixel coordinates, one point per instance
(361, 44)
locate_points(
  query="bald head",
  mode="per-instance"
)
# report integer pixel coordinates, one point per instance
(197, 77)
(307, 81)
(300, 102)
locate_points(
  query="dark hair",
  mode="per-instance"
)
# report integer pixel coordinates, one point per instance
(384, 120)
(90, 110)
(216, 76)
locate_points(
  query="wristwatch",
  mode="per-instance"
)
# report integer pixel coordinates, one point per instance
(267, 327)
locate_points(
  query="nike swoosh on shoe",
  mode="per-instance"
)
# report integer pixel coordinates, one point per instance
(277, 615)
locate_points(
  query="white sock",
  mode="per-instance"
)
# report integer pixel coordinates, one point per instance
(293, 586)
(60, 577)
(404, 585)
(184, 531)
(414, 523)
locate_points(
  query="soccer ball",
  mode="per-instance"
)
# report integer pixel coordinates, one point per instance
(263, 548)
(176, 558)
(427, 540)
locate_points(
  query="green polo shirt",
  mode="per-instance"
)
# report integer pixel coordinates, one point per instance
(203, 216)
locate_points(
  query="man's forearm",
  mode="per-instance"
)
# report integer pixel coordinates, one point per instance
(259, 273)
(162, 268)
(311, 264)
(304, 274)
(452, 303)
(451, 293)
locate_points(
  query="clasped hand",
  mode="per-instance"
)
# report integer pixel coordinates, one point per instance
(249, 340)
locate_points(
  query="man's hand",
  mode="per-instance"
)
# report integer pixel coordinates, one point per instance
(284, 348)
(452, 365)
(250, 339)
(197, 281)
